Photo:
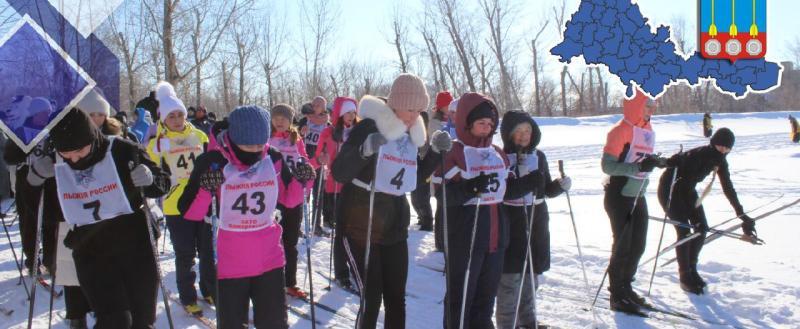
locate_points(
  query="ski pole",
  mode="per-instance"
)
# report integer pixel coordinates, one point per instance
(310, 272)
(336, 230)
(753, 240)
(625, 229)
(369, 243)
(154, 246)
(52, 287)
(469, 262)
(664, 225)
(528, 260)
(578, 243)
(713, 236)
(35, 271)
(14, 252)
(447, 272)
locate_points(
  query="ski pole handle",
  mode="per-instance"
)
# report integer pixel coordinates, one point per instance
(561, 168)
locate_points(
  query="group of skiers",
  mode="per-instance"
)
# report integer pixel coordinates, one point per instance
(235, 194)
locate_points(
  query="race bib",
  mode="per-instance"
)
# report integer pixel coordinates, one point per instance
(288, 150)
(642, 144)
(249, 197)
(486, 161)
(314, 131)
(397, 167)
(91, 195)
(180, 157)
(529, 164)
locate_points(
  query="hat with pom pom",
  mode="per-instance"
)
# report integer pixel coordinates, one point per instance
(168, 100)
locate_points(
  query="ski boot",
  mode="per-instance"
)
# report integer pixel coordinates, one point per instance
(699, 280)
(638, 300)
(621, 303)
(193, 309)
(296, 293)
(688, 283)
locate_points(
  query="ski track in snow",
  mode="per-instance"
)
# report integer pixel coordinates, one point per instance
(749, 286)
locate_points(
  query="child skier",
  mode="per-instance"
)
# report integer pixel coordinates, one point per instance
(693, 166)
(440, 120)
(382, 152)
(628, 158)
(521, 136)
(248, 179)
(176, 147)
(345, 116)
(476, 175)
(288, 142)
(110, 242)
(795, 133)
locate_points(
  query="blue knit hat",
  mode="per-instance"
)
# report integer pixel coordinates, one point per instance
(249, 125)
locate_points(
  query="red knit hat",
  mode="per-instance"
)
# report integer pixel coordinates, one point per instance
(443, 99)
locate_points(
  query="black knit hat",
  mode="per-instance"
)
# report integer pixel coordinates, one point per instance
(74, 131)
(723, 137)
(482, 111)
(512, 120)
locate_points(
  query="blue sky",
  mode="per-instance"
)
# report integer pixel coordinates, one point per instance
(362, 23)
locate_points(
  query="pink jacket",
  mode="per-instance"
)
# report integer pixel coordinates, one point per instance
(293, 195)
(241, 254)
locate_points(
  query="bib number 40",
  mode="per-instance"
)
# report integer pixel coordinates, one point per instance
(241, 203)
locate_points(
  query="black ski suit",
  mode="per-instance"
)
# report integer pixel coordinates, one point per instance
(693, 166)
(388, 259)
(114, 258)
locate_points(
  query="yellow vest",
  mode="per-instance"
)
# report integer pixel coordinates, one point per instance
(178, 150)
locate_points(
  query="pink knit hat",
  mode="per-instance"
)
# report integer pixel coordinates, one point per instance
(408, 92)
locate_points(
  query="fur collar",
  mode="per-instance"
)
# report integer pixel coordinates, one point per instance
(389, 125)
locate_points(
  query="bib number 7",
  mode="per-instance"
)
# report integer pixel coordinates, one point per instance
(95, 206)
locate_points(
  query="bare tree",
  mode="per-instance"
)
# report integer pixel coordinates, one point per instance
(558, 16)
(244, 38)
(499, 16)
(428, 31)
(399, 38)
(319, 17)
(536, 86)
(270, 50)
(128, 38)
(213, 17)
(457, 30)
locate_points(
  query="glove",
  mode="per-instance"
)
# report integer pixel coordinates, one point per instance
(142, 176)
(650, 162)
(441, 142)
(478, 184)
(565, 183)
(533, 181)
(748, 225)
(211, 180)
(371, 145)
(41, 168)
(701, 227)
(304, 172)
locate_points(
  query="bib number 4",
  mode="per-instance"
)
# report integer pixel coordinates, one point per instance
(397, 180)
(257, 197)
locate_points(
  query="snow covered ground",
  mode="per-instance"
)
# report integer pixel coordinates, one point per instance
(749, 286)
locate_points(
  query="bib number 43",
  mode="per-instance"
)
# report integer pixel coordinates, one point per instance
(241, 203)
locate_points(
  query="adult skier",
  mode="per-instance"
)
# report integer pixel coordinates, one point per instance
(693, 166)
(628, 159)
